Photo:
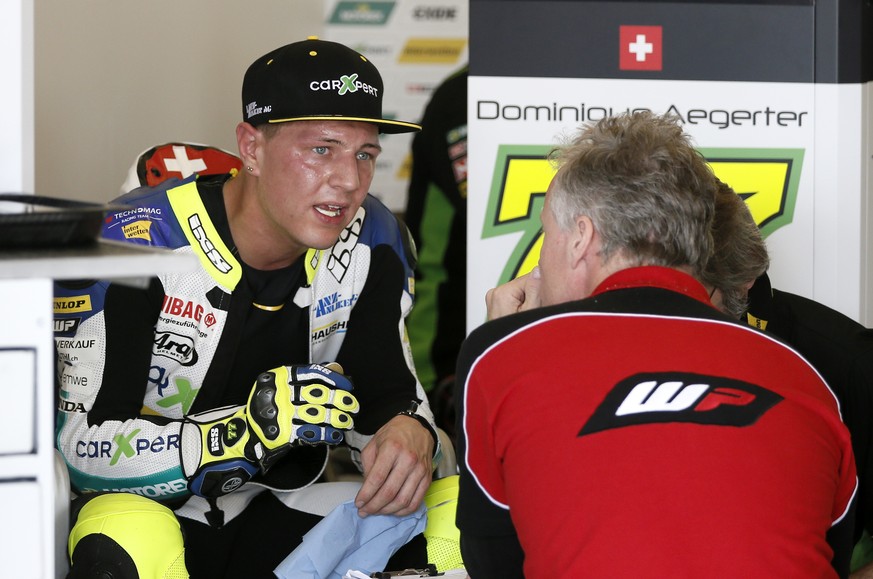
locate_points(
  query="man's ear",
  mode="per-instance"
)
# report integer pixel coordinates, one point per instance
(581, 240)
(248, 140)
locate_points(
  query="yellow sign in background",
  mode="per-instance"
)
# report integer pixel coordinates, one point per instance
(765, 178)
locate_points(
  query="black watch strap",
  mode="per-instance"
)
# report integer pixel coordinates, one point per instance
(411, 412)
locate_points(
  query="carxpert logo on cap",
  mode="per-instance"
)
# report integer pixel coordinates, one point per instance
(316, 80)
(640, 48)
(345, 84)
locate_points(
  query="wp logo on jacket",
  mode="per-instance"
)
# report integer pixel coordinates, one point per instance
(661, 397)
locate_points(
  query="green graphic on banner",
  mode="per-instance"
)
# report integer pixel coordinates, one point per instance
(362, 13)
(766, 179)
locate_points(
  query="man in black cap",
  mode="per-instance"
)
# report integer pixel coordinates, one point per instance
(215, 391)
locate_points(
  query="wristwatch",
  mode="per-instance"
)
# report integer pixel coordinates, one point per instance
(411, 411)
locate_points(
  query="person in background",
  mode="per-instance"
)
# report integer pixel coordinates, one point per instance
(436, 213)
(841, 349)
(218, 392)
(838, 347)
(612, 422)
(739, 256)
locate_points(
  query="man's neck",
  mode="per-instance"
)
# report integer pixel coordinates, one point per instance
(251, 229)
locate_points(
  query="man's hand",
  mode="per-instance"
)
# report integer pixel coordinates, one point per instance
(311, 404)
(518, 295)
(398, 466)
(224, 448)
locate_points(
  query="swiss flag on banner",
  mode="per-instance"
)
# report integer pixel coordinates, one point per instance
(639, 48)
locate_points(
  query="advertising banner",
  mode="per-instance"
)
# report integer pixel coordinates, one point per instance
(746, 82)
(415, 44)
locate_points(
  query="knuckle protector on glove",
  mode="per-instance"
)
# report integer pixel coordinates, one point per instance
(312, 404)
(263, 409)
(313, 434)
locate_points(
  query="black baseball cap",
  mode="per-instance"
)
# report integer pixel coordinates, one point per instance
(316, 80)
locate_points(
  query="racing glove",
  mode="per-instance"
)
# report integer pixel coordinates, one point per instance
(309, 404)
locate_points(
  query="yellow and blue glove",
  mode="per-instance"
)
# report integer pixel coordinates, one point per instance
(301, 404)
(311, 404)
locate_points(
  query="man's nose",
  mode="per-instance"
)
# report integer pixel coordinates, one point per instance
(345, 174)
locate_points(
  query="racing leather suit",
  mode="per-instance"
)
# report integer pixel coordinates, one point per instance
(120, 429)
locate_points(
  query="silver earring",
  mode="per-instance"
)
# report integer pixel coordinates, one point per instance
(249, 168)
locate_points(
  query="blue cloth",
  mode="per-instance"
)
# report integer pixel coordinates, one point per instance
(343, 540)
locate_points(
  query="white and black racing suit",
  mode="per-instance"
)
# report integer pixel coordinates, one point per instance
(132, 363)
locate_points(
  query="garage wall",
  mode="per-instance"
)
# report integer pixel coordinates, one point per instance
(113, 78)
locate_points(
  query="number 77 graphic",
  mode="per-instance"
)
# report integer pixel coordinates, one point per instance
(766, 179)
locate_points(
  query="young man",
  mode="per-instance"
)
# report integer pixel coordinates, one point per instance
(612, 422)
(207, 389)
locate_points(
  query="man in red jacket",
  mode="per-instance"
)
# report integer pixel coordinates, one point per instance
(612, 422)
(840, 348)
